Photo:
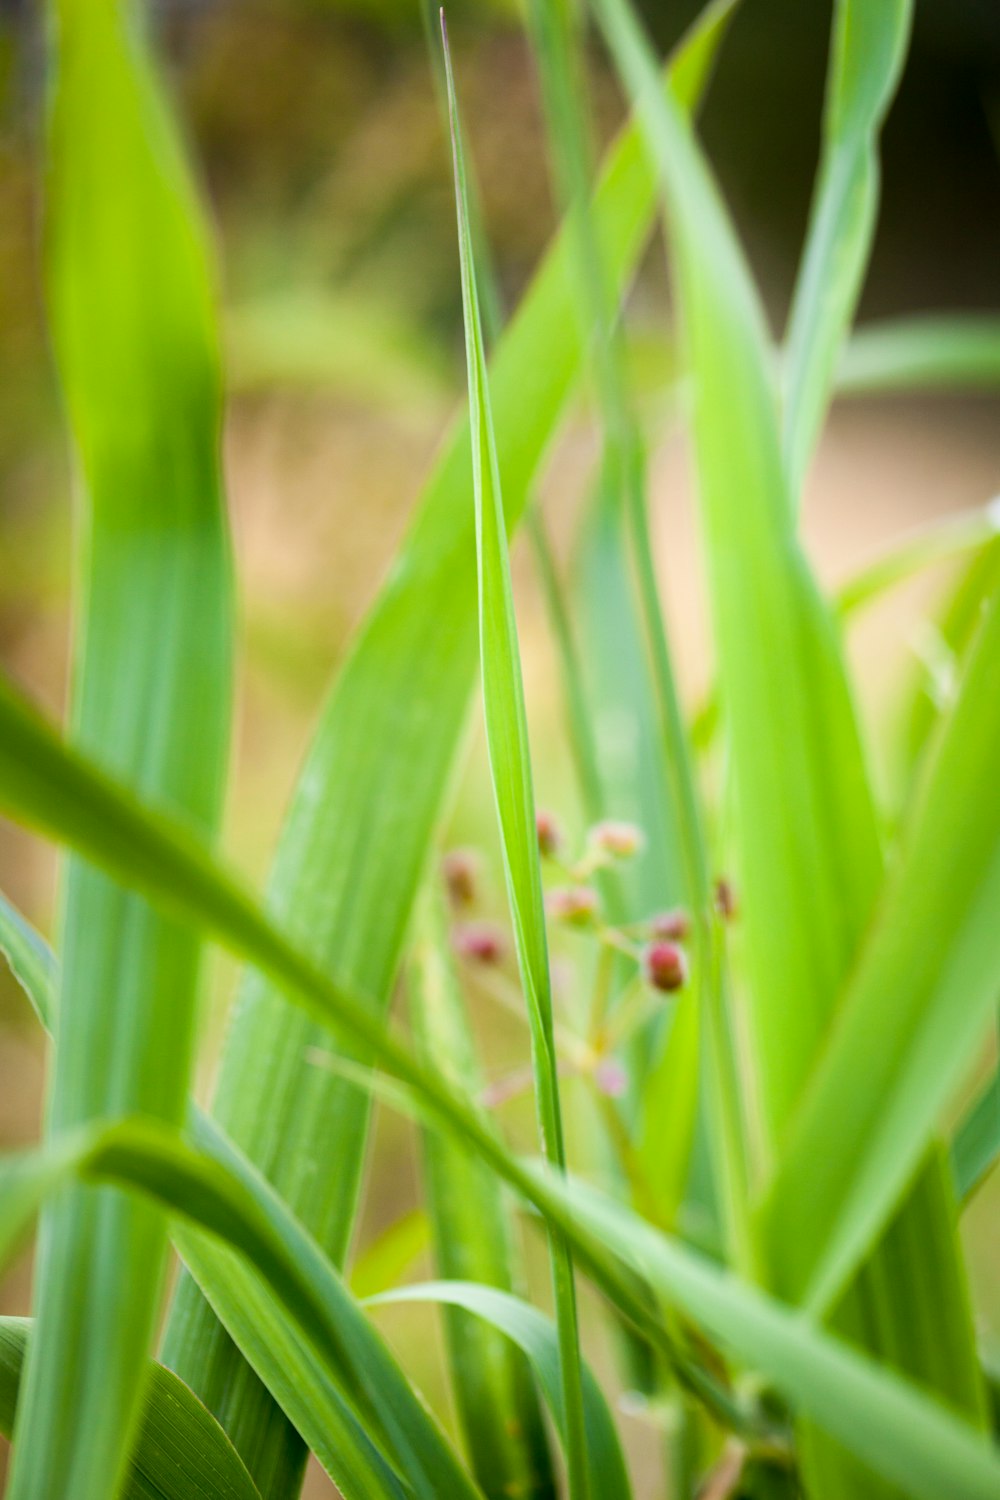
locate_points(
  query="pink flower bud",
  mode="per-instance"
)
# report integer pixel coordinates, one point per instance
(619, 840)
(576, 905)
(460, 868)
(664, 966)
(479, 942)
(674, 925)
(725, 899)
(550, 838)
(611, 1077)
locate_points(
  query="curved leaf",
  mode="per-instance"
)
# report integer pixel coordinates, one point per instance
(535, 1335)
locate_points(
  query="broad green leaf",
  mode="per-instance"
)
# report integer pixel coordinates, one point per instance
(535, 1335)
(917, 1005)
(509, 757)
(867, 53)
(130, 305)
(953, 352)
(181, 1452)
(355, 841)
(30, 959)
(492, 1384)
(897, 1430)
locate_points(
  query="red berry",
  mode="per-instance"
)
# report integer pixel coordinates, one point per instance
(664, 966)
(619, 840)
(459, 868)
(550, 839)
(574, 904)
(479, 942)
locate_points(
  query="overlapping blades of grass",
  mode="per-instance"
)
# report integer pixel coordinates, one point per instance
(805, 831)
(57, 791)
(896, 1429)
(493, 1387)
(130, 302)
(888, 1070)
(369, 1423)
(355, 842)
(804, 823)
(869, 45)
(510, 768)
(533, 1333)
(181, 1452)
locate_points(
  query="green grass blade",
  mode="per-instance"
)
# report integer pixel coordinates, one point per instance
(975, 1145)
(957, 352)
(889, 1069)
(510, 768)
(30, 959)
(130, 301)
(181, 1452)
(355, 843)
(894, 1428)
(867, 53)
(535, 1336)
(797, 763)
(938, 541)
(492, 1384)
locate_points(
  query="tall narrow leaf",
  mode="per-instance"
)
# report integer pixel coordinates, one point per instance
(131, 311)
(866, 59)
(890, 1068)
(493, 1387)
(510, 768)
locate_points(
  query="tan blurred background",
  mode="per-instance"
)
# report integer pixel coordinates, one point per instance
(316, 130)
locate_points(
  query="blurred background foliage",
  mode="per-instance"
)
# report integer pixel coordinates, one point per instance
(318, 137)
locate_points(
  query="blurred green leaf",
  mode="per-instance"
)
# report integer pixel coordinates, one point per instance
(535, 1335)
(869, 44)
(181, 1452)
(803, 819)
(492, 1384)
(881, 1084)
(509, 756)
(130, 299)
(975, 1145)
(904, 1435)
(359, 1406)
(31, 961)
(953, 352)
